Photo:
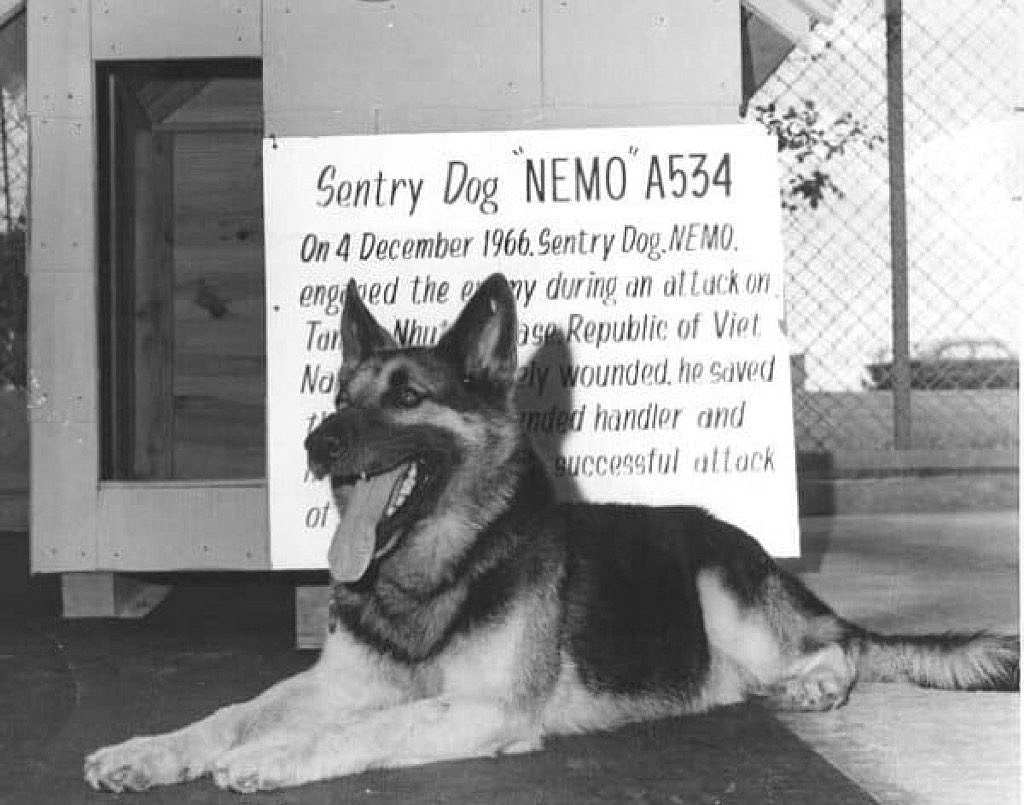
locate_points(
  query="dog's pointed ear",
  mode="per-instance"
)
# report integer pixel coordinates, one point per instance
(483, 338)
(361, 335)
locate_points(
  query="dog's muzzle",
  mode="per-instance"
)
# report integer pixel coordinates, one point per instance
(338, 445)
(324, 447)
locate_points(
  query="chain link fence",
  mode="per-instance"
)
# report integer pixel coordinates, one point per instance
(13, 161)
(828, 104)
(13, 217)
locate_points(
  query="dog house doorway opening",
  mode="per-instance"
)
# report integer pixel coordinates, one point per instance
(181, 288)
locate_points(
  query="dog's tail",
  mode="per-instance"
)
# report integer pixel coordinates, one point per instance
(954, 660)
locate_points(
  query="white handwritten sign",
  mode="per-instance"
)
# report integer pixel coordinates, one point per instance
(647, 268)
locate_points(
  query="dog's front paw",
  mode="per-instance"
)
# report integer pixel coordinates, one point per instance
(261, 767)
(135, 765)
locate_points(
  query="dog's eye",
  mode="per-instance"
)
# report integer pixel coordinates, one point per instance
(408, 397)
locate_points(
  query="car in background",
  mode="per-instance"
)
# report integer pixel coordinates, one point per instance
(954, 363)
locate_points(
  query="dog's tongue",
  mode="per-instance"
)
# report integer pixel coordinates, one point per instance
(361, 506)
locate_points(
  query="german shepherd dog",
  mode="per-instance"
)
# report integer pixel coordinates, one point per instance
(487, 616)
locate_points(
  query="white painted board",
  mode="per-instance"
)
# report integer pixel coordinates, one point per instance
(647, 266)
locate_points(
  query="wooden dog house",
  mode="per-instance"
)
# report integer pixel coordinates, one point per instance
(147, 379)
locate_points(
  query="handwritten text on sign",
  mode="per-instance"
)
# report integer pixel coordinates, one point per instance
(647, 269)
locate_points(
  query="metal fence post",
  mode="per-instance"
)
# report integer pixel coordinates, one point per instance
(898, 225)
(6, 176)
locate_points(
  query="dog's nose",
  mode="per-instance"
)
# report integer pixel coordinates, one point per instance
(324, 440)
(322, 448)
(322, 443)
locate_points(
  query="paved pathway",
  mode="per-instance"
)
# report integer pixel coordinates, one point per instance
(920, 572)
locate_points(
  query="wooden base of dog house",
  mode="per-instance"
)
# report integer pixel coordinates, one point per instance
(109, 595)
(311, 615)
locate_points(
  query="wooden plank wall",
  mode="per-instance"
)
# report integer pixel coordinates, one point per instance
(62, 288)
(183, 29)
(219, 350)
(148, 250)
(441, 65)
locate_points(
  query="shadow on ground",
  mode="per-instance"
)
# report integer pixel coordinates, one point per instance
(67, 687)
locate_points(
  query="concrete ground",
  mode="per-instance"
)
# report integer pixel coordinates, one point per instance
(915, 573)
(67, 686)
